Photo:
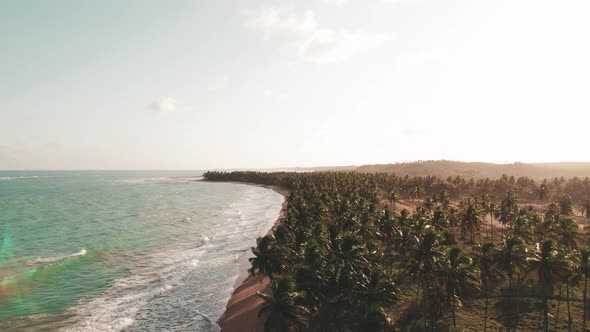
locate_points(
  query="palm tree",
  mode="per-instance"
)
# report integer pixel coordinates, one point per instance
(551, 220)
(511, 199)
(404, 215)
(583, 270)
(350, 260)
(552, 211)
(471, 218)
(309, 275)
(439, 220)
(586, 210)
(484, 205)
(566, 205)
(521, 226)
(570, 278)
(443, 199)
(458, 274)
(393, 197)
(309, 282)
(486, 259)
(387, 233)
(281, 309)
(512, 257)
(512, 261)
(491, 210)
(453, 218)
(374, 292)
(321, 235)
(508, 208)
(266, 260)
(568, 233)
(419, 191)
(367, 229)
(551, 267)
(283, 235)
(403, 244)
(426, 253)
(543, 191)
(415, 193)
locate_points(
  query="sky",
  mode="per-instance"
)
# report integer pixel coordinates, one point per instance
(258, 84)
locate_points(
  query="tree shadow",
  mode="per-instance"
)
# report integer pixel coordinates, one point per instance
(513, 308)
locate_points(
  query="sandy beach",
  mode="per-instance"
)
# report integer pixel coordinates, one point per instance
(241, 312)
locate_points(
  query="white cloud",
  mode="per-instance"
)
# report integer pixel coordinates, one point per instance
(328, 46)
(280, 21)
(312, 43)
(163, 104)
(335, 2)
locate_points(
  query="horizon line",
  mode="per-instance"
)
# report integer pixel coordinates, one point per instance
(282, 167)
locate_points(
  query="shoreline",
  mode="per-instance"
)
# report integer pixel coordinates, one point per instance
(241, 309)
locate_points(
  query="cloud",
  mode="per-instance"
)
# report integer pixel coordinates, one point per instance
(310, 41)
(335, 2)
(328, 46)
(163, 104)
(279, 21)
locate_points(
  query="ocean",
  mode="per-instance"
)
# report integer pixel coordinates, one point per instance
(123, 250)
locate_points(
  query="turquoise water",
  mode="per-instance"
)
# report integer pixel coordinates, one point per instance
(106, 251)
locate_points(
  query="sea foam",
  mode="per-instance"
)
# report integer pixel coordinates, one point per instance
(48, 260)
(182, 287)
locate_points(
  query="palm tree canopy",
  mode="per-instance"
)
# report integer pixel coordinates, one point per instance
(281, 308)
(566, 205)
(583, 262)
(550, 265)
(512, 256)
(487, 260)
(586, 207)
(458, 273)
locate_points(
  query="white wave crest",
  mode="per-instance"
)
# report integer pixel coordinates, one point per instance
(167, 179)
(181, 287)
(8, 178)
(48, 260)
(119, 307)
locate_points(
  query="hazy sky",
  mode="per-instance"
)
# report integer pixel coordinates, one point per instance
(211, 84)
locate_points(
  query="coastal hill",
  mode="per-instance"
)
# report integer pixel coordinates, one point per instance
(446, 168)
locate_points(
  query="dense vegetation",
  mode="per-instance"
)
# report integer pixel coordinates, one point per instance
(351, 255)
(446, 168)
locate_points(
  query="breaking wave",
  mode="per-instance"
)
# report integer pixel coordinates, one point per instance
(8, 178)
(167, 179)
(48, 260)
(182, 287)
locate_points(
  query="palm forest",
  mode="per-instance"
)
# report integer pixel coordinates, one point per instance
(378, 252)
